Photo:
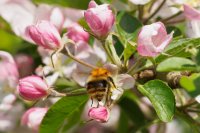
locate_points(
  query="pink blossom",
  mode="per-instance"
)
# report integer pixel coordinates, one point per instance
(99, 18)
(19, 14)
(8, 69)
(153, 39)
(33, 117)
(100, 114)
(191, 13)
(76, 33)
(24, 61)
(193, 21)
(32, 88)
(49, 13)
(44, 34)
(7, 102)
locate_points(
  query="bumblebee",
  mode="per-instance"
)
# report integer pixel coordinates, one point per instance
(100, 84)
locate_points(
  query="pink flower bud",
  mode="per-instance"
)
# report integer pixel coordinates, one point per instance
(191, 13)
(100, 114)
(76, 33)
(99, 18)
(153, 39)
(33, 117)
(8, 69)
(32, 88)
(44, 34)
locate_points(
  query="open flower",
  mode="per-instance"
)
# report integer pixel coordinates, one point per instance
(33, 117)
(193, 21)
(32, 88)
(152, 39)
(99, 18)
(100, 114)
(44, 34)
(7, 102)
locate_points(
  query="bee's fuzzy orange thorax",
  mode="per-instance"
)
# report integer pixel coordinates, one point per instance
(100, 72)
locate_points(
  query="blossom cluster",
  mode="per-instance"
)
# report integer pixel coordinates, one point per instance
(72, 50)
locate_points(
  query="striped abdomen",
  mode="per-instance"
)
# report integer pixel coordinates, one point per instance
(97, 89)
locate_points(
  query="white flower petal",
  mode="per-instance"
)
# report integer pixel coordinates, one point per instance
(125, 81)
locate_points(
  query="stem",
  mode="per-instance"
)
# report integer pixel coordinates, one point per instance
(149, 124)
(52, 58)
(193, 110)
(76, 94)
(80, 61)
(154, 13)
(138, 63)
(67, 52)
(58, 94)
(173, 16)
(140, 14)
(175, 21)
(107, 52)
(152, 3)
(190, 103)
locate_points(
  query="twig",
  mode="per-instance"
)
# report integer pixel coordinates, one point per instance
(175, 21)
(154, 13)
(140, 14)
(171, 17)
(79, 61)
(66, 51)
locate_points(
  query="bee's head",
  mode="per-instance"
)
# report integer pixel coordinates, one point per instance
(100, 72)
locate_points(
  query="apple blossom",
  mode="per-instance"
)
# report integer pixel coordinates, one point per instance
(44, 34)
(50, 13)
(191, 13)
(100, 114)
(32, 88)
(8, 69)
(99, 18)
(76, 33)
(33, 117)
(193, 21)
(152, 39)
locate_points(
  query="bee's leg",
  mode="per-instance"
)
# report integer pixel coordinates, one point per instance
(111, 80)
(108, 97)
(92, 101)
(97, 104)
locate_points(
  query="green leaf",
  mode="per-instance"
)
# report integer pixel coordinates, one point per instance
(129, 50)
(197, 59)
(127, 27)
(129, 23)
(79, 4)
(191, 84)
(129, 105)
(62, 111)
(161, 97)
(118, 46)
(9, 42)
(179, 48)
(123, 126)
(177, 31)
(106, 1)
(176, 64)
